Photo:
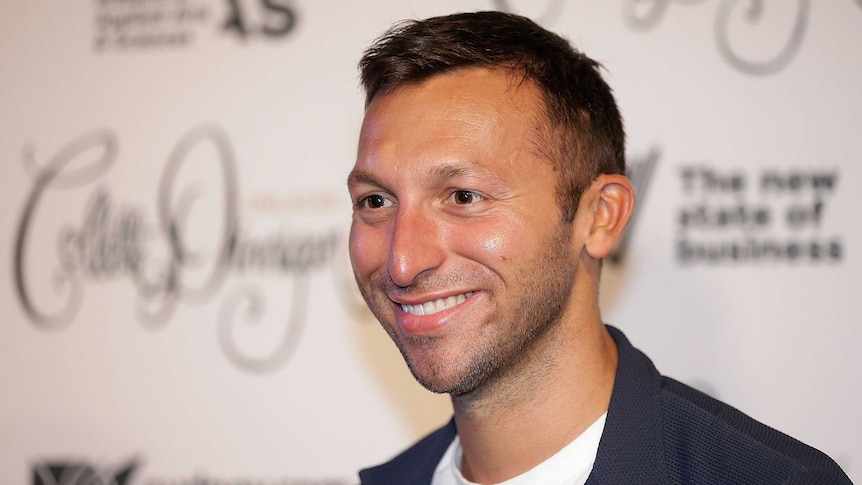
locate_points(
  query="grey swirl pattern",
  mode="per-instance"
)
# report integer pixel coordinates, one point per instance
(249, 301)
(645, 15)
(754, 14)
(551, 13)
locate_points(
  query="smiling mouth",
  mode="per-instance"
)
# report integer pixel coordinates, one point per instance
(432, 307)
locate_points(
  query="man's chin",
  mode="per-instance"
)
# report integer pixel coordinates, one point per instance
(437, 365)
(437, 385)
(431, 375)
(443, 379)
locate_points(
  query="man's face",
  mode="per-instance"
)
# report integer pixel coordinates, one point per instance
(456, 240)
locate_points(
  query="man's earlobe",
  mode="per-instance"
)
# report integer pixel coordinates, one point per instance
(611, 206)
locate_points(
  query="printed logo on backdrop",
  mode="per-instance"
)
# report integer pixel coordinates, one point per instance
(80, 472)
(136, 25)
(639, 170)
(736, 23)
(772, 215)
(197, 241)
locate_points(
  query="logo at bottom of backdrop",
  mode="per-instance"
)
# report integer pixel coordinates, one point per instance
(79, 472)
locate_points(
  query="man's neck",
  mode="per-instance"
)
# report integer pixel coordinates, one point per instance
(522, 418)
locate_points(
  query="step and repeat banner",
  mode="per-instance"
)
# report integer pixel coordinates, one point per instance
(177, 302)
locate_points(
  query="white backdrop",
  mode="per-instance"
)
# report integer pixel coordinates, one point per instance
(177, 305)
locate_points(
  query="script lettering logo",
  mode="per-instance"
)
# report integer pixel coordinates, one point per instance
(164, 263)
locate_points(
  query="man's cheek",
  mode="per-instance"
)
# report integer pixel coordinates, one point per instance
(361, 252)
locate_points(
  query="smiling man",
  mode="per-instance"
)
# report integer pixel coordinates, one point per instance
(488, 186)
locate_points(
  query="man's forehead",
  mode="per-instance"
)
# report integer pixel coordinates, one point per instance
(465, 101)
(463, 86)
(471, 122)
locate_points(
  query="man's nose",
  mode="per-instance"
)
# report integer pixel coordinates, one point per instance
(416, 246)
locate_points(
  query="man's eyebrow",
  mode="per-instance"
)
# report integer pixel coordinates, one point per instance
(360, 177)
(450, 170)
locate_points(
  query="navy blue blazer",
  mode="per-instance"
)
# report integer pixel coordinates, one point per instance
(658, 431)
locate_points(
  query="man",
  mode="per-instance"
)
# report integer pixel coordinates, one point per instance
(488, 186)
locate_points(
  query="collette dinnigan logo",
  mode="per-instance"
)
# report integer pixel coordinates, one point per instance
(166, 262)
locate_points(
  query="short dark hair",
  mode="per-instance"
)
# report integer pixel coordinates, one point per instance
(585, 136)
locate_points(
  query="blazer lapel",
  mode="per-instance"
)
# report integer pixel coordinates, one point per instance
(630, 450)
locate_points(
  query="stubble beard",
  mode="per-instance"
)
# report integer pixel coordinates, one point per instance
(527, 318)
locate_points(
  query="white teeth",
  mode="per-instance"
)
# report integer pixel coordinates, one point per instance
(431, 307)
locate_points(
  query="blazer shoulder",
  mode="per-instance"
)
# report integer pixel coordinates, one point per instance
(707, 440)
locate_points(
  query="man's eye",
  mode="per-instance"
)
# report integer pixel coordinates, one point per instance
(374, 202)
(465, 197)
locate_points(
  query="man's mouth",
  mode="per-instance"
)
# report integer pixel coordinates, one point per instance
(432, 307)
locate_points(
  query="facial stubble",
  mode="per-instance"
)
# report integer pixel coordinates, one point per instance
(529, 316)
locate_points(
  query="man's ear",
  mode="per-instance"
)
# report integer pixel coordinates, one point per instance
(611, 201)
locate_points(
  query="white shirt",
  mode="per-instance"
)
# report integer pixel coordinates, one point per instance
(569, 466)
